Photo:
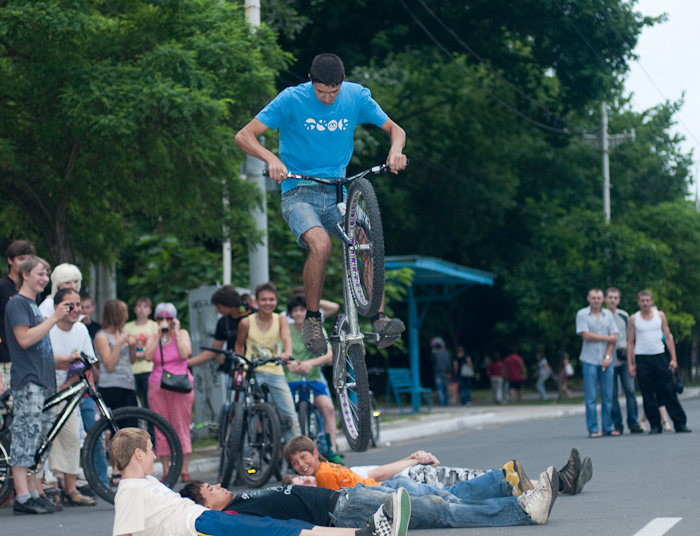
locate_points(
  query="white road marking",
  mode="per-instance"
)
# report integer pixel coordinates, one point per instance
(658, 526)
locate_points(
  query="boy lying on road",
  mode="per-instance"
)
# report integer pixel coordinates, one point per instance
(145, 507)
(491, 505)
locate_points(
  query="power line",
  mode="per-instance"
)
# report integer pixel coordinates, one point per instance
(479, 82)
(680, 119)
(494, 71)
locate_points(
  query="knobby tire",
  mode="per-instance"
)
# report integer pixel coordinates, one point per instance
(120, 416)
(365, 267)
(258, 455)
(230, 443)
(353, 401)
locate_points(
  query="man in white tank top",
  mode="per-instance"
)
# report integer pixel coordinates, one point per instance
(647, 360)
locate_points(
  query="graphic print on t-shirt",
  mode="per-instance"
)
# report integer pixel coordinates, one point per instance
(322, 124)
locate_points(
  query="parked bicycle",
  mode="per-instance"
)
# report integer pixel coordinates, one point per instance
(362, 240)
(110, 422)
(252, 433)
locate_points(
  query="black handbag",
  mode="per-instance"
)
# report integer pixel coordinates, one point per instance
(621, 354)
(180, 383)
(677, 383)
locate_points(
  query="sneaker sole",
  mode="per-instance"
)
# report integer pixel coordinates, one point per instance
(524, 483)
(554, 482)
(585, 475)
(387, 341)
(404, 507)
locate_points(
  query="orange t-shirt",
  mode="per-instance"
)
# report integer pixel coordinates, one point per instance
(334, 476)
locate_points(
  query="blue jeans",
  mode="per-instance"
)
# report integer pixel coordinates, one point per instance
(90, 415)
(465, 389)
(592, 376)
(282, 397)
(540, 387)
(455, 507)
(441, 382)
(630, 395)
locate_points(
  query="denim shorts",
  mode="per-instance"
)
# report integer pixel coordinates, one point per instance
(30, 425)
(305, 207)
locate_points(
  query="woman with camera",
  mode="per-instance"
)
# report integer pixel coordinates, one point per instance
(170, 390)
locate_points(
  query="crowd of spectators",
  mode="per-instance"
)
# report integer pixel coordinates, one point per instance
(41, 338)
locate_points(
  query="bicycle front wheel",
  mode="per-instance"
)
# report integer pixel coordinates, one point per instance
(365, 257)
(94, 450)
(353, 401)
(260, 445)
(303, 411)
(376, 413)
(6, 486)
(232, 423)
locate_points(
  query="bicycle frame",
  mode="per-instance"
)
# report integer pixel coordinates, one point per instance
(72, 395)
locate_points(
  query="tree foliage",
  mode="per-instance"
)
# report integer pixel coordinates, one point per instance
(116, 109)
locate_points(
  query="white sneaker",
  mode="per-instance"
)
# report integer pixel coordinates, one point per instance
(393, 516)
(537, 503)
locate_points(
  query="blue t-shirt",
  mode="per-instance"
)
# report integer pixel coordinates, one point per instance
(316, 139)
(34, 364)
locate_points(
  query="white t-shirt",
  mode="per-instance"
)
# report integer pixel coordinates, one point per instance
(67, 342)
(145, 507)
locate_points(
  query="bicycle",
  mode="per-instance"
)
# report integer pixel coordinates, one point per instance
(111, 421)
(362, 239)
(253, 433)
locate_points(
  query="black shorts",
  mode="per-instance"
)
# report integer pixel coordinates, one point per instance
(516, 385)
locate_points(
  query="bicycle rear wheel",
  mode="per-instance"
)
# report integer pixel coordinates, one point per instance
(365, 257)
(353, 401)
(260, 445)
(232, 423)
(127, 417)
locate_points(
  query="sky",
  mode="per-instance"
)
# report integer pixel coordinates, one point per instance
(669, 54)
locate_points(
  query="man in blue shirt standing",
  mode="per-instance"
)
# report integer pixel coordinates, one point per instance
(316, 122)
(599, 332)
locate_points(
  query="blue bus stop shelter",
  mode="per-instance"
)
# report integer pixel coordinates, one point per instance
(434, 280)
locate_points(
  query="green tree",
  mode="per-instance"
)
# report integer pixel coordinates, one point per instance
(117, 109)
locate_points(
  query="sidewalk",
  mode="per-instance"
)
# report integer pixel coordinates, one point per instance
(445, 420)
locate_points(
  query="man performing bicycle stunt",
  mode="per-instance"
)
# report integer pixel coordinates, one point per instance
(316, 121)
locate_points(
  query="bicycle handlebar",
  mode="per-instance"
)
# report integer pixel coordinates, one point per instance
(230, 354)
(333, 181)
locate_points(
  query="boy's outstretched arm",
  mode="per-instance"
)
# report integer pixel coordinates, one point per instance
(385, 472)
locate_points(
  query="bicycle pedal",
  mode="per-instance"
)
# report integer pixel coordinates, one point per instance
(372, 336)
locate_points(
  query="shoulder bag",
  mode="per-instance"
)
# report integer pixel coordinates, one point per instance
(180, 383)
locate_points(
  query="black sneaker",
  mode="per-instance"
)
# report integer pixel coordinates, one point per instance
(312, 334)
(32, 506)
(585, 475)
(637, 429)
(570, 472)
(388, 329)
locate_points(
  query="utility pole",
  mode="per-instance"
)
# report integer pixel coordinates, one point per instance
(258, 261)
(606, 143)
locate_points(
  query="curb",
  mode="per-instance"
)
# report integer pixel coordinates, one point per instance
(449, 423)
